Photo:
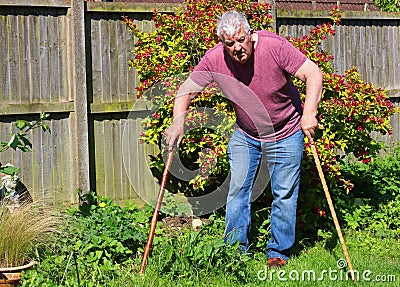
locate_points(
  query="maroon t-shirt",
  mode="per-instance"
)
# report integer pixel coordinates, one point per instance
(266, 102)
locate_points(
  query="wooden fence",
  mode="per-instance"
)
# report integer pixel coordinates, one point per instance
(69, 58)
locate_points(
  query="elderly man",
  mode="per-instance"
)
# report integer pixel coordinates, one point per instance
(254, 70)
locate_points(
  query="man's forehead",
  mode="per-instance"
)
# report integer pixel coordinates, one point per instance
(237, 35)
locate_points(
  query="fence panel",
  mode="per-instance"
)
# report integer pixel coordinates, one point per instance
(35, 77)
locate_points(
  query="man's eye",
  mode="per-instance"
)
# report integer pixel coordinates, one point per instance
(229, 44)
(241, 40)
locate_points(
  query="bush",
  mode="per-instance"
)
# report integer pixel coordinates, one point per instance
(350, 109)
(374, 204)
(388, 5)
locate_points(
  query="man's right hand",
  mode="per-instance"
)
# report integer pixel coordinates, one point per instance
(174, 134)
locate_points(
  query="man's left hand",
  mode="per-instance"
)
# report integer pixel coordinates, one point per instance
(308, 125)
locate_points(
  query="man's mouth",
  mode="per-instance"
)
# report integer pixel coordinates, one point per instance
(239, 54)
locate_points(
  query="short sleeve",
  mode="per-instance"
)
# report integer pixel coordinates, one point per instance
(201, 74)
(291, 59)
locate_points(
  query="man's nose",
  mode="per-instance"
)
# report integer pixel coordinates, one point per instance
(237, 46)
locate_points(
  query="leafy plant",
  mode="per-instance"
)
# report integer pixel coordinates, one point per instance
(19, 138)
(19, 141)
(378, 180)
(388, 5)
(374, 204)
(191, 252)
(187, 257)
(97, 243)
(23, 226)
(11, 186)
(23, 229)
(172, 207)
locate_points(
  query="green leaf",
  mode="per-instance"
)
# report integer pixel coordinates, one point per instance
(10, 170)
(21, 124)
(45, 128)
(24, 140)
(13, 143)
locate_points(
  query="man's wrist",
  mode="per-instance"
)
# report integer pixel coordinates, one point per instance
(179, 120)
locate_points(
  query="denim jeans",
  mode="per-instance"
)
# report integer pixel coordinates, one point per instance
(283, 160)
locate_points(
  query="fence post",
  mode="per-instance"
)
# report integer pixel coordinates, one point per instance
(79, 117)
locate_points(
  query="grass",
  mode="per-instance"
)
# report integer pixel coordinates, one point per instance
(21, 230)
(375, 264)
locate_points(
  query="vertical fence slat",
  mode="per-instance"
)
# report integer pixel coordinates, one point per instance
(100, 155)
(114, 62)
(24, 60)
(4, 56)
(106, 64)
(34, 49)
(44, 59)
(121, 54)
(54, 64)
(63, 59)
(97, 83)
(13, 52)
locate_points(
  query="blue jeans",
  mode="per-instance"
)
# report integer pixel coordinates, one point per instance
(283, 161)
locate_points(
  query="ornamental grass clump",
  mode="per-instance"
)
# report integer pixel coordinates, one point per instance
(22, 229)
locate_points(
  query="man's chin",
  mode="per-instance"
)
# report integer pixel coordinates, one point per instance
(241, 60)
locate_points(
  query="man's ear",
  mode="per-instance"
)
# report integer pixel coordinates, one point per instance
(254, 38)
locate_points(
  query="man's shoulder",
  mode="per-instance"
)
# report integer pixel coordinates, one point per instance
(217, 49)
(266, 35)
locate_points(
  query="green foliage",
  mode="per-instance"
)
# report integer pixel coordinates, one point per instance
(171, 206)
(379, 179)
(95, 249)
(105, 244)
(190, 253)
(374, 204)
(99, 243)
(19, 140)
(388, 5)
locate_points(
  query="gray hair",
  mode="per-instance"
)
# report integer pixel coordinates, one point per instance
(230, 22)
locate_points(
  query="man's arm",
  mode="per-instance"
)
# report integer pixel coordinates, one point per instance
(313, 77)
(187, 91)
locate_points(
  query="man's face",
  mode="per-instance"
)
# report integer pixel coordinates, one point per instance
(239, 46)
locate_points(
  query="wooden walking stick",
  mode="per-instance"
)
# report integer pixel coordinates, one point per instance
(157, 209)
(332, 209)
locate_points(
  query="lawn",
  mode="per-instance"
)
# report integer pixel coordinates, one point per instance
(377, 263)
